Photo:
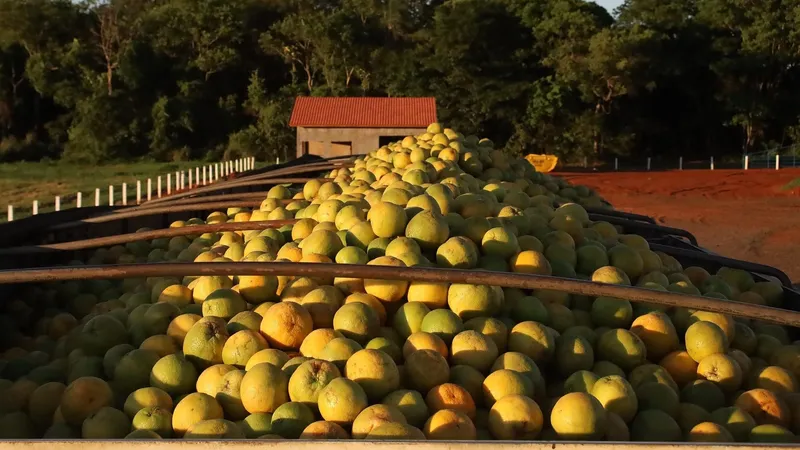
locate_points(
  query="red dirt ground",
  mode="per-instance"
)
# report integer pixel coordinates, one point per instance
(740, 214)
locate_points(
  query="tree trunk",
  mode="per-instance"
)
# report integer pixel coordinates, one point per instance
(748, 132)
(109, 78)
(597, 138)
(309, 78)
(597, 143)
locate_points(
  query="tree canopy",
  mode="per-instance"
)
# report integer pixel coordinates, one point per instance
(101, 80)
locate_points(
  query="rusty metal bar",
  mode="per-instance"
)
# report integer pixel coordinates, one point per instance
(724, 261)
(636, 226)
(211, 198)
(515, 280)
(221, 187)
(126, 214)
(137, 212)
(233, 182)
(620, 214)
(145, 236)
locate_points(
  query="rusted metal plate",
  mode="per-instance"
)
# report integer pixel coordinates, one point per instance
(368, 445)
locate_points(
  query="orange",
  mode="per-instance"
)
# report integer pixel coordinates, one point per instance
(450, 425)
(264, 388)
(515, 417)
(84, 397)
(192, 409)
(680, 366)
(450, 396)
(286, 324)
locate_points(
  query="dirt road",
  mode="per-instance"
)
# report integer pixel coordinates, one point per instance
(741, 214)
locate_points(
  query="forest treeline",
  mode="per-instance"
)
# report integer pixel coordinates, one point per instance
(94, 81)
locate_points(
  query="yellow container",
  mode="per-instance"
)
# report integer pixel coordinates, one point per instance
(543, 163)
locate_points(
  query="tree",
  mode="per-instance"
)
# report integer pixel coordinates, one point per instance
(758, 51)
(118, 24)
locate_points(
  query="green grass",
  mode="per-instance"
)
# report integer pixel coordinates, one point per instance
(22, 183)
(794, 184)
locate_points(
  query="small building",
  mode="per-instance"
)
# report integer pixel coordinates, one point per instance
(340, 126)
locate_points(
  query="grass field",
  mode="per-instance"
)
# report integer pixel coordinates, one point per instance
(22, 183)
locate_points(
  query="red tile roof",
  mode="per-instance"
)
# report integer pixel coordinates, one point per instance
(363, 112)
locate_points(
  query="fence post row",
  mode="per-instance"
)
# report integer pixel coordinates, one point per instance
(210, 173)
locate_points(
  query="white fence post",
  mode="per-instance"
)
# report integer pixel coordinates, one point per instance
(680, 163)
(746, 162)
(124, 194)
(97, 197)
(216, 172)
(190, 178)
(616, 163)
(138, 192)
(58, 203)
(110, 195)
(277, 160)
(183, 179)
(159, 186)
(712, 163)
(10, 213)
(777, 162)
(169, 184)
(197, 176)
(149, 189)
(79, 200)
(35, 207)
(648, 163)
(204, 175)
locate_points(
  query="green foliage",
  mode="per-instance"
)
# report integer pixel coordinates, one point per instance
(99, 80)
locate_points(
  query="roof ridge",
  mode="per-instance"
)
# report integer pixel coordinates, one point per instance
(363, 112)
